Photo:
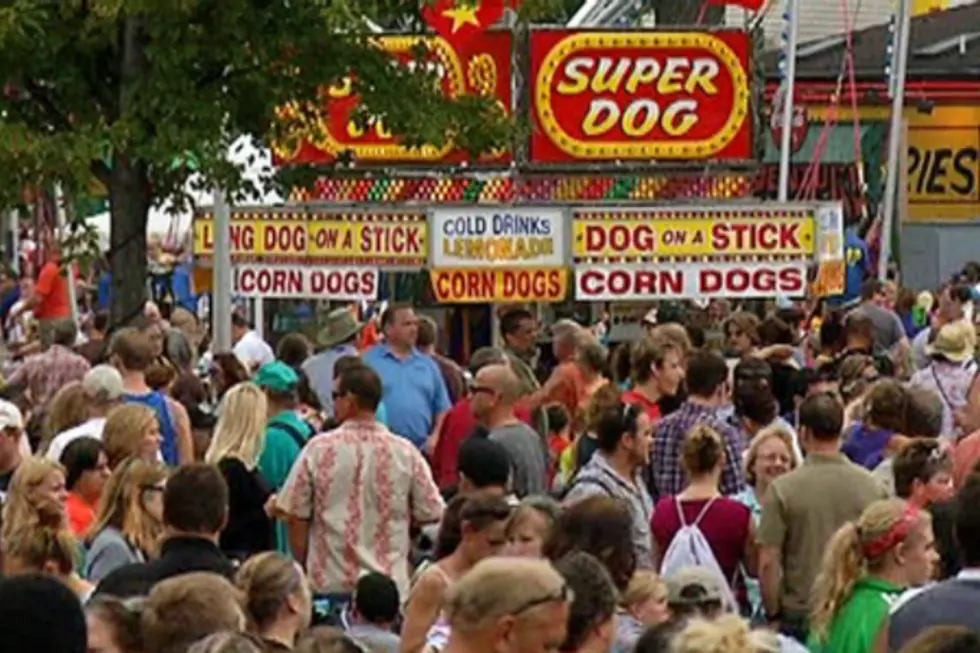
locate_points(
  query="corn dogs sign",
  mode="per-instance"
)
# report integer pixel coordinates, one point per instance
(692, 252)
(606, 96)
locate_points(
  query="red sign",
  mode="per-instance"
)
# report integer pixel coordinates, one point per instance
(461, 21)
(485, 69)
(637, 96)
(690, 281)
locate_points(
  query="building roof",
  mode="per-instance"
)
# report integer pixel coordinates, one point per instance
(944, 45)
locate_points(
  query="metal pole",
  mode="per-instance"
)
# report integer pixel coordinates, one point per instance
(258, 315)
(15, 241)
(60, 219)
(895, 158)
(221, 268)
(785, 141)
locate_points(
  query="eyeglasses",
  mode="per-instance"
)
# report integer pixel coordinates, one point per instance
(561, 595)
(776, 457)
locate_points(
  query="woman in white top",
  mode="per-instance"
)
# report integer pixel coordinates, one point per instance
(473, 528)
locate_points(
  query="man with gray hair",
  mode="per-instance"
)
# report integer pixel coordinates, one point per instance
(45, 373)
(508, 605)
(496, 391)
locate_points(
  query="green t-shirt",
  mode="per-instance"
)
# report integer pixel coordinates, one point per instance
(280, 452)
(856, 626)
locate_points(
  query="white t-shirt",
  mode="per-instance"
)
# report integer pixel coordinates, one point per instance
(253, 351)
(90, 429)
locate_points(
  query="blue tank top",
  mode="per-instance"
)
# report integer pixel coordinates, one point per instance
(157, 402)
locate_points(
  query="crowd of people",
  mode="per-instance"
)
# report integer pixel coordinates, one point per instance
(743, 479)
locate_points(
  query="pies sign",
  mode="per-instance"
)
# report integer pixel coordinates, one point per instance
(485, 70)
(640, 96)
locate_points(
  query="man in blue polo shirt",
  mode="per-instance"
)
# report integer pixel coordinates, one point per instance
(415, 393)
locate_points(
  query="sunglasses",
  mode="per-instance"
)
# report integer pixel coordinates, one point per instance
(561, 595)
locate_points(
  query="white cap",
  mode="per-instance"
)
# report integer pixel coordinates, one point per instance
(103, 383)
(10, 416)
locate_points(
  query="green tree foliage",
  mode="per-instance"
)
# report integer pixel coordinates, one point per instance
(117, 89)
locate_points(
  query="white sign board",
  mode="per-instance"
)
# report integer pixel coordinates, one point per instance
(306, 281)
(706, 280)
(495, 237)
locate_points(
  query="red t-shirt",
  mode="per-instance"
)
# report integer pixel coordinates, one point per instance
(725, 525)
(52, 288)
(634, 398)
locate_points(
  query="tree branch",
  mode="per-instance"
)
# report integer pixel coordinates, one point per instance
(40, 95)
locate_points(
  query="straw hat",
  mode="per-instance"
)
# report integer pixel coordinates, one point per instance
(954, 342)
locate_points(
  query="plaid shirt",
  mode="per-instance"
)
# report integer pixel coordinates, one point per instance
(666, 474)
(45, 374)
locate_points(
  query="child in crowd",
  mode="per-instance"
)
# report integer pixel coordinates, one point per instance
(559, 439)
(643, 605)
(374, 612)
(530, 526)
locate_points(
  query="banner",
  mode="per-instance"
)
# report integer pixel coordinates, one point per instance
(484, 69)
(639, 95)
(349, 238)
(456, 286)
(673, 233)
(690, 281)
(765, 250)
(511, 237)
(943, 170)
(301, 282)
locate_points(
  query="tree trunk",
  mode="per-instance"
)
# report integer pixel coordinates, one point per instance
(129, 208)
(685, 13)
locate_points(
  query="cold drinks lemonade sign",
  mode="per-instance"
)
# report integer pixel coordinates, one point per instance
(498, 255)
(601, 96)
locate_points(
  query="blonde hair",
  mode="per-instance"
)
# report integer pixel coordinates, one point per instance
(121, 505)
(240, 432)
(268, 580)
(846, 559)
(644, 585)
(21, 510)
(673, 334)
(67, 409)
(777, 432)
(702, 450)
(49, 540)
(727, 634)
(534, 505)
(124, 431)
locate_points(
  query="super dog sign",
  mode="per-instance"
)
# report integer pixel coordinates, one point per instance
(640, 95)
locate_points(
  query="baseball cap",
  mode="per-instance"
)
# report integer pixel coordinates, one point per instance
(277, 377)
(693, 586)
(103, 383)
(10, 416)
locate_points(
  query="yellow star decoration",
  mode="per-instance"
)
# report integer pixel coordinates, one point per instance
(462, 15)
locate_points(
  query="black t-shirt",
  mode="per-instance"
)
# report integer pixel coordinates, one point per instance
(249, 530)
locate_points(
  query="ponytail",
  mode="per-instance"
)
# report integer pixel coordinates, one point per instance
(843, 565)
(855, 549)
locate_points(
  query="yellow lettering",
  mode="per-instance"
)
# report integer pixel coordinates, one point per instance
(645, 107)
(353, 130)
(576, 72)
(602, 115)
(645, 72)
(342, 90)
(703, 73)
(670, 79)
(381, 130)
(680, 117)
(607, 78)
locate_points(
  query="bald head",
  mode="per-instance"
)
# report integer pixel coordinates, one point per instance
(502, 380)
